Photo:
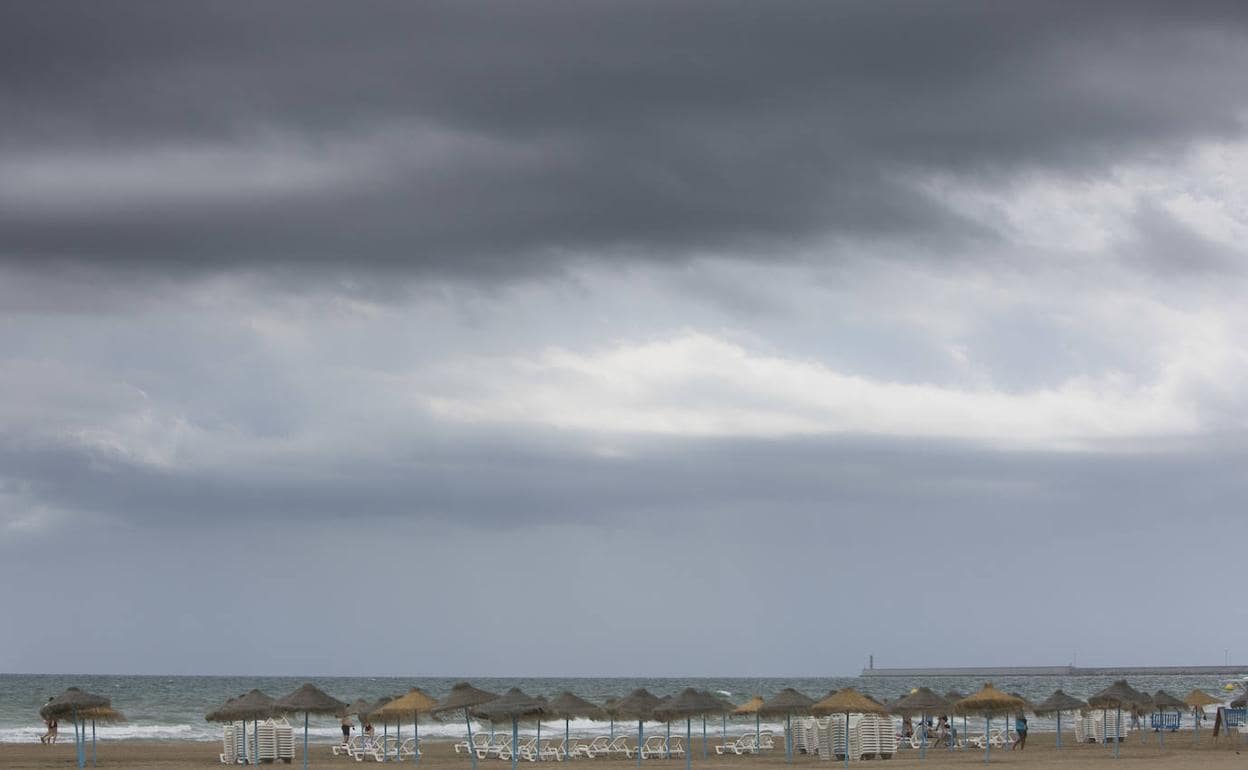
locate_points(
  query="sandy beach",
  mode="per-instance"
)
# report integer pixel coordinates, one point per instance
(1180, 752)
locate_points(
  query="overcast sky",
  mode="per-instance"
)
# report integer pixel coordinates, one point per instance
(621, 338)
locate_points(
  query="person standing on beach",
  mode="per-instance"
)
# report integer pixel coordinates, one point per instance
(346, 729)
(1020, 727)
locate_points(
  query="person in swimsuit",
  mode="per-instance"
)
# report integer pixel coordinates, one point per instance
(49, 736)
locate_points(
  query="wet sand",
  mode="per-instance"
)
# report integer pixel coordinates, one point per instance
(1181, 752)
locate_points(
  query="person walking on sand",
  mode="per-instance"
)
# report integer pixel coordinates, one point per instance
(49, 736)
(346, 729)
(1020, 727)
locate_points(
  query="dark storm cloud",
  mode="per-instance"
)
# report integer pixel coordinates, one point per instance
(516, 483)
(492, 139)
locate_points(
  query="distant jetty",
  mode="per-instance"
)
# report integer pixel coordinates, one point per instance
(1117, 671)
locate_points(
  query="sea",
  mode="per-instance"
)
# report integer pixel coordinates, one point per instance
(173, 707)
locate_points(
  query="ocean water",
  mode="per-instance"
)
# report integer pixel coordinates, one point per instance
(173, 707)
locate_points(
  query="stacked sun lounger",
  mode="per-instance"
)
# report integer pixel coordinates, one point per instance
(875, 736)
(802, 744)
(229, 749)
(1100, 727)
(285, 739)
(266, 741)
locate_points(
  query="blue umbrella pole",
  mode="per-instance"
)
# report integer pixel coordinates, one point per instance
(567, 731)
(79, 739)
(987, 735)
(305, 740)
(1117, 732)
(398, 739)
(539, 740)
(613, 729)
(758, 733)
(846, 738)
(922, 734)
(1163, 730)
(93, 742)
(704, 736)
(472, 750)
(416, 735)
(515, 742)
(1059, 729)
(640, 741)
(688, 742)
(669, 740)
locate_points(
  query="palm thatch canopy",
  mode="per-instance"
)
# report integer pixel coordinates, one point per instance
(690, 702)
(570, 706)
(921, 701)
(1026, 703)
(359, 707)
(752, 706)
(1058, 702)
(308, 699)
(639, 704)
(1117, 695)
(253, 705)
(514, 704)
(787, 701)
(415, 701)
(464, 695)
(989, 700)
(72, 701)
(218, 714)
(848, 701)
(1200, 699)
(104, 715)
(1163, 700)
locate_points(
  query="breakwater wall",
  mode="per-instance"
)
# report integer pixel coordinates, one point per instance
(1114, 671)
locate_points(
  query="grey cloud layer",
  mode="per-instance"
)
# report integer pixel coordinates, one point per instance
(492, 139)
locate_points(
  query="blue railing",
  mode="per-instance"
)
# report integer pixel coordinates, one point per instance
(1233, 717)
(1169, 720)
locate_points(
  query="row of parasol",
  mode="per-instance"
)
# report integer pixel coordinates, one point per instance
(82, 708)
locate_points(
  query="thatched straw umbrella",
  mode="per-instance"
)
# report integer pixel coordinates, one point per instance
(786, 703)
(1198, 699)
(688, 704)
(1163, 700)
(307, 700)
(848, 701)
(73, 703)
(921, 702)
(464, 696)
(570, 706)
(723, 707)
(1118, 696)
(752, 706)
(952, 697)
(640, 704)
(1054, 705)
(374, 712)
(515, 705)
(988, 701)
(608, 708)
(251, 707)
(415, 702)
